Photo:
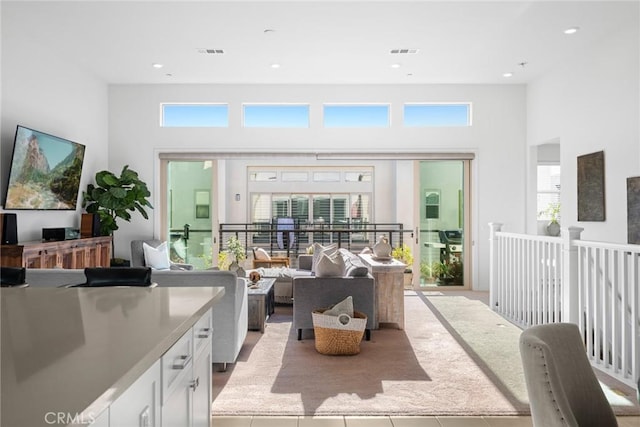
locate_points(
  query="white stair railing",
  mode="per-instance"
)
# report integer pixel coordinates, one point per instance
(539, 279)
(609, 297)
(527, 287)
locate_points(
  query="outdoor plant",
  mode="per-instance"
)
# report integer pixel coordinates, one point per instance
(426, 272)
(114, 197)
(403, 254)
(448, 270)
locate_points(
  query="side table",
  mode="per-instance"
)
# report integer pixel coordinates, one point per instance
(261, 303)
(389, 276)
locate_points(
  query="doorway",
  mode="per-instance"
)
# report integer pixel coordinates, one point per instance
(189, 210)
(444, 224)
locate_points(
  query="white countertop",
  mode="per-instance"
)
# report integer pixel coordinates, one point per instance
(76, 350)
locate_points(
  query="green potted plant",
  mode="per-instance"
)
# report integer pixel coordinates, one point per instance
(447, 272)
(426, 272)
(231, 257)
(552, 212)
(403, 254)
(114, 197)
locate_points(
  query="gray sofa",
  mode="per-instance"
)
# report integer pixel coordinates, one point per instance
(312, 293)
(230, 314)
(283, 290)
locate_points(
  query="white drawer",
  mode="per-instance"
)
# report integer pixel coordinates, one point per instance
(202, 332)
(176, 362)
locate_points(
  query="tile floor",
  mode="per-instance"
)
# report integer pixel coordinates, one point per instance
(349, 421)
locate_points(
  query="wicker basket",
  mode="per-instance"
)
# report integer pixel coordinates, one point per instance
(338, 335)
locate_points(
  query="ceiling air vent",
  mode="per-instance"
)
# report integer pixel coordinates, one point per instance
(211, 51)
(403, 51)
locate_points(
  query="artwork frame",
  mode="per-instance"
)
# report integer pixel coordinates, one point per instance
(591, 187)
(633, 210)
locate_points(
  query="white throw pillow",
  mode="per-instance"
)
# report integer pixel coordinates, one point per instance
(330, 266)
(156, 258)
(318, 250)
(261, 254)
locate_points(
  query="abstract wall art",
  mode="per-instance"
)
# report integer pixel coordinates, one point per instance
(591, 200)
(633, 210)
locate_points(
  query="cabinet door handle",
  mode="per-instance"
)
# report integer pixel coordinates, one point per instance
(182, 363)
(206, 332)
(194, 384)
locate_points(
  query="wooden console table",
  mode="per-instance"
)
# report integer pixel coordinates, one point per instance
(76, 253)
(389, 277)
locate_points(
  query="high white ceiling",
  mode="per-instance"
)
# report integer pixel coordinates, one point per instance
(333, 42)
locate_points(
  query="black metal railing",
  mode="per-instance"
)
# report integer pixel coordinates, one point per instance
(294, 239)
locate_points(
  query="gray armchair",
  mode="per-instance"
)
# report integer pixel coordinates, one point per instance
(563, 389)
(137, 255)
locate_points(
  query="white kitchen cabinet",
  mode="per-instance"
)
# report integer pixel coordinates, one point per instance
(201, 389)
(202, 392)
(186, 377)
(139, 405)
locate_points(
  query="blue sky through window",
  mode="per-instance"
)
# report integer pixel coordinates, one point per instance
(366, 116)
(276, 116)
(195, 115)
(416, 115)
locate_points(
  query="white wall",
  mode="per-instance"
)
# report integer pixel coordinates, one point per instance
(49, 94)
(591, 104)
(497, 137)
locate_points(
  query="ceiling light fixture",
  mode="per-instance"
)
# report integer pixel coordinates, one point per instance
(274, 66)
(571, 30)
(395, 65)
(508, 74)
(156, 65)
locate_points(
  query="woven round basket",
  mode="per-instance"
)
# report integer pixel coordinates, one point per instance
(338, 335)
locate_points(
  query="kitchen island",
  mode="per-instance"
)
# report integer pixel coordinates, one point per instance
(68, 354)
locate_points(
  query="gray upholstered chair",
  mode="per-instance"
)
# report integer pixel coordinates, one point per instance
(563, 389)
(137, 255)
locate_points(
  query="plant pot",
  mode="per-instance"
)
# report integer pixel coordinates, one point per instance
(553, 229)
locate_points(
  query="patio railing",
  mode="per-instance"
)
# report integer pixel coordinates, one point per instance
(539, 279)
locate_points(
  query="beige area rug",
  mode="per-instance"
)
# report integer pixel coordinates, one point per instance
(454, 357)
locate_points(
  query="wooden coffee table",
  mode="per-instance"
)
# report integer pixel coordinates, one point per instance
(261, 303)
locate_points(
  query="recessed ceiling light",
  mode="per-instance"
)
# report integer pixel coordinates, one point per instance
(395, 65)
(275, 65)
(156, 65)
(571, 30)
(507, 74)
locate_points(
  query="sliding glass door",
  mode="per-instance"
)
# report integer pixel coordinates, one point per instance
(443, 194)
(189, 211)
